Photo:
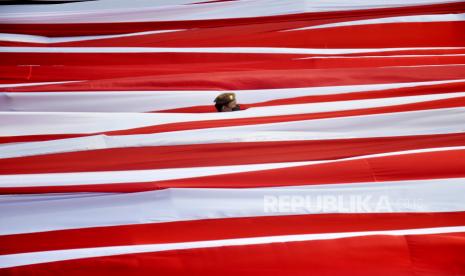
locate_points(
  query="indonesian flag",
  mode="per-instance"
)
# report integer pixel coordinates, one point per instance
(346, 158)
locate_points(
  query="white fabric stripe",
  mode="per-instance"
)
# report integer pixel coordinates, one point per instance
(91, 5)
(170, 205)
(424, 122)
(44, 39)
(142, 11)
(123, 176)
(29, 123)
(144, 101)
(385, 20)
(13, 260)
(128, 176)
(33, 84)
(248, 50)
(24, 198)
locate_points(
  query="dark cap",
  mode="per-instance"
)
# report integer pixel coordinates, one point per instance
(225, 98)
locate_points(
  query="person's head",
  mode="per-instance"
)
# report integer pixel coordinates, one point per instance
(226, 102)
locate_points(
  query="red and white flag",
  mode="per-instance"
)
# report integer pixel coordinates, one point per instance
(347, 158)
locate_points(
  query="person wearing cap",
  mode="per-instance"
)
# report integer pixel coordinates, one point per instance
(226, 102)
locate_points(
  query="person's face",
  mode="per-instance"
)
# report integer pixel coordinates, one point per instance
(229, 106)
(232, 104)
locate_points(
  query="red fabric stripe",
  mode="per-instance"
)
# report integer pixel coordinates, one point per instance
(183, 156)
(259, 79)
(229, 228)
(427, 165)
(72, 68)
(439, 254)
(420, 34)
